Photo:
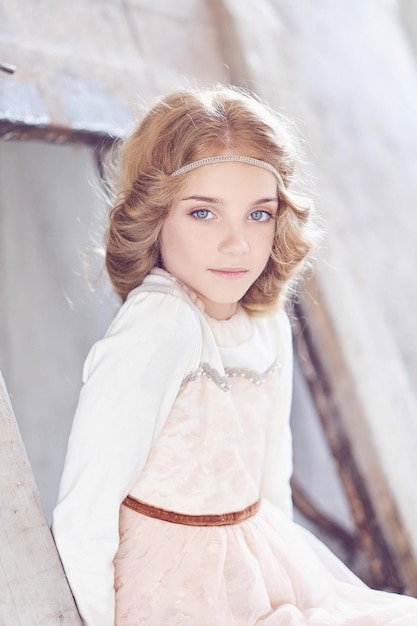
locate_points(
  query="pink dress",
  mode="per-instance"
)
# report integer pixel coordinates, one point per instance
(201, 430)
(209, 459)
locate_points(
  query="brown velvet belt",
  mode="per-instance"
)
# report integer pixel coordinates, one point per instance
(223, 519)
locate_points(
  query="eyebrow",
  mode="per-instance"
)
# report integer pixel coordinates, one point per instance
(203, 199)
(212, 200)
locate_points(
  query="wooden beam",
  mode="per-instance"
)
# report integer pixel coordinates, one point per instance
(385, 563)
(33, 586)
(347, 372)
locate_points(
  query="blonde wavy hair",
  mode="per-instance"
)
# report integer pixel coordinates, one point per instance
(182, 128)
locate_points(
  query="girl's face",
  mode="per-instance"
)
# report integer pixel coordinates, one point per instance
(219, 233)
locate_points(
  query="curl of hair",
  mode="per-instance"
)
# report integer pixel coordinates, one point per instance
(182, 128)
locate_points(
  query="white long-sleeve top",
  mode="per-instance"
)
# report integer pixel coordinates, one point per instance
(131, 379)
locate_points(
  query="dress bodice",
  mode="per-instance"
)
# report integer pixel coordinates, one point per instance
(209, 456)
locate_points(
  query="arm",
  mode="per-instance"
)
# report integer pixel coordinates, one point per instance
(278, 455)
(131, 379)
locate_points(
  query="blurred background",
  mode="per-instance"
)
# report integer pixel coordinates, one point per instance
(76, 76)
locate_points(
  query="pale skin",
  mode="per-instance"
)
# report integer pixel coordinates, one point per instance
(219, 233)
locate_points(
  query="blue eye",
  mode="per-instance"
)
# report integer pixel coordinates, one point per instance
(260, 216)
(201, 214)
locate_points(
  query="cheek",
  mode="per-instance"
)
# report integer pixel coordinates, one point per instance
(174, 245)
(264, 243)
(169, 233)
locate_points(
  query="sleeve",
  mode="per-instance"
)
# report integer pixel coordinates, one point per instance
(278, 465)
(131, 379)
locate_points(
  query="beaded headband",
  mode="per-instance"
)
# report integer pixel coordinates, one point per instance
(226, 158)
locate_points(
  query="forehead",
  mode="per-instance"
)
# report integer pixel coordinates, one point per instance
(236, 178)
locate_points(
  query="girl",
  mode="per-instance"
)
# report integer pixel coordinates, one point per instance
(174, 506)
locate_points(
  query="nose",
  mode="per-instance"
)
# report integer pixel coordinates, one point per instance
(234, 241)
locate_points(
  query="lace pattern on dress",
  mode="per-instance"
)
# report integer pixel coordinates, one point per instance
(257, 378)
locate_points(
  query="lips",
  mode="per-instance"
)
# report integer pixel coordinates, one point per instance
(230, 273)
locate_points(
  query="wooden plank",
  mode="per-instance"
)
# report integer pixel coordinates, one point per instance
(386, 563)
(33, 587)
(81, 66)
(368, 411)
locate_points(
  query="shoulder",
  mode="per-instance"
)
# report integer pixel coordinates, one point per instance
(275, 323)
(158, 304)
(275, 328)
(157, 316)
(283, 323)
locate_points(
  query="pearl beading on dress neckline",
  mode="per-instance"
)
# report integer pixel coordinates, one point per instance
(211, 374)
(223, 382)
(253, 377)
(226, 158)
